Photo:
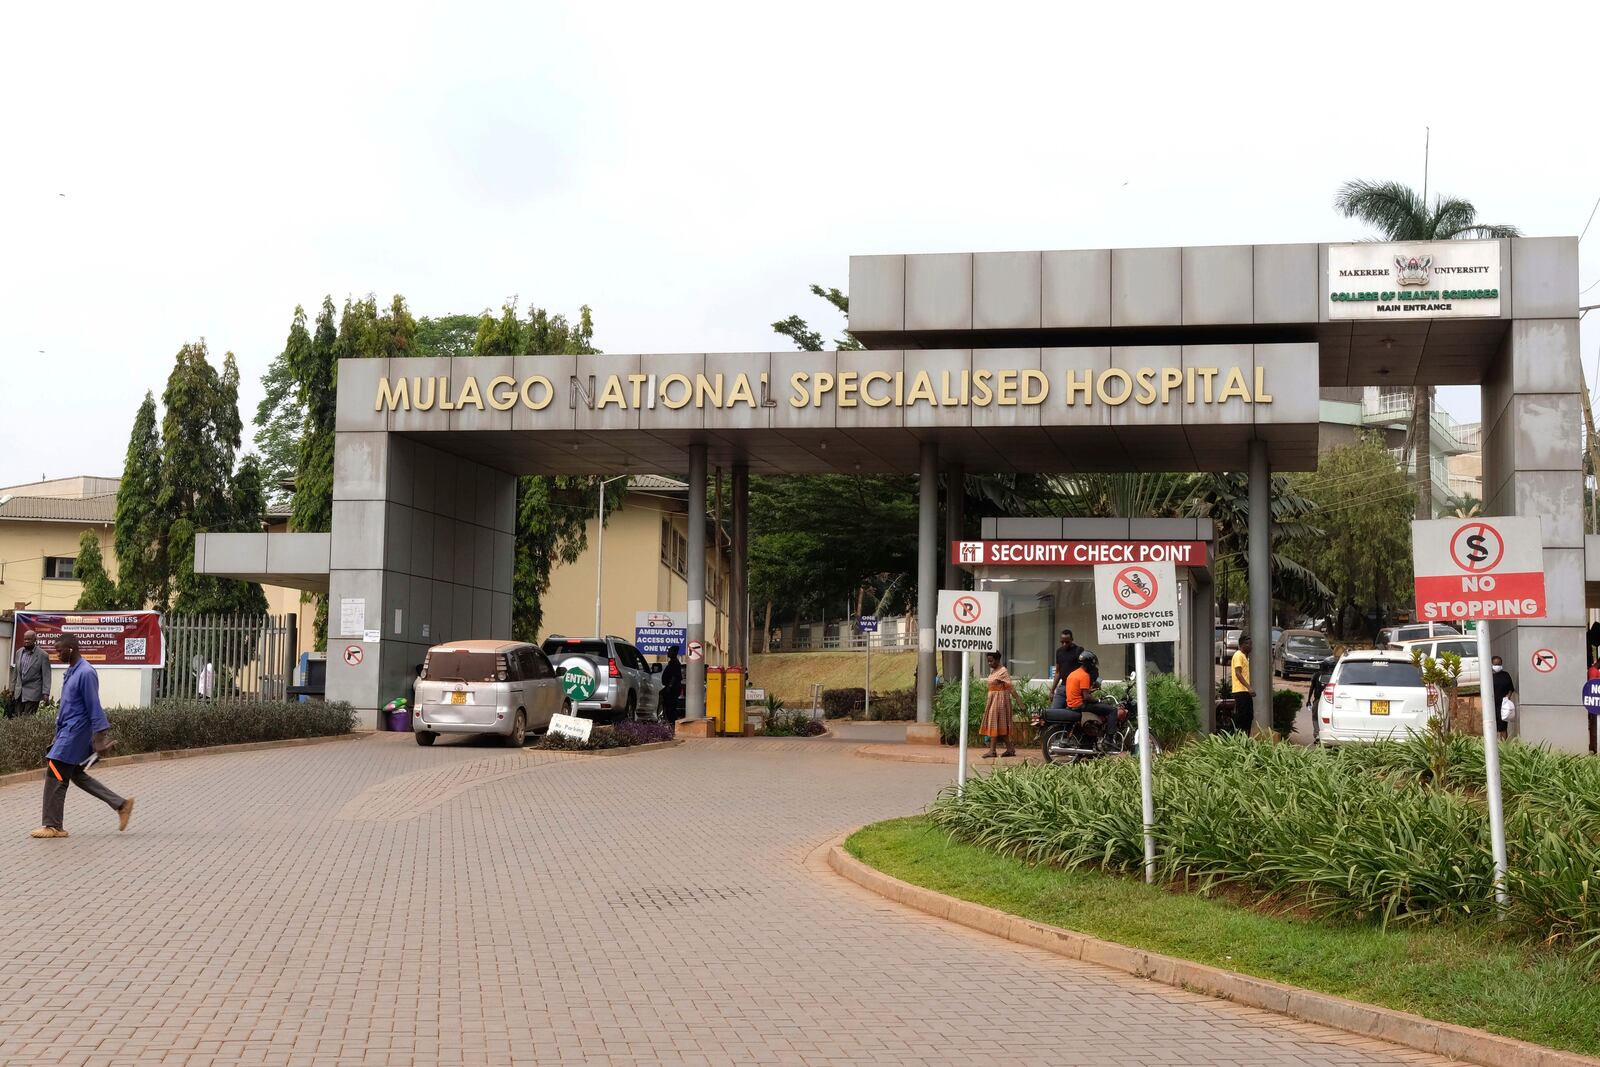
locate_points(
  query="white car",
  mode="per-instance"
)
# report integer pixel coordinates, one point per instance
(1374, 695)
(1465, 647)
(486, 687)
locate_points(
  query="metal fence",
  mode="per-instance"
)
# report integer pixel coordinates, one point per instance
(228, 657)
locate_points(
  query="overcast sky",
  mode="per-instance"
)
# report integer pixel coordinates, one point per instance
(171, 173)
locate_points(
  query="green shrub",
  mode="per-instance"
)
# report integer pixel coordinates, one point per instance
(1174, 709)
(797, 723)
(1025, 699)
(1286, 704)
(896, 705)
(174, 724)
(1358, 833)
(840, 703)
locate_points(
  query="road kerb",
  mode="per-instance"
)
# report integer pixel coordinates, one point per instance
(1368, 1020)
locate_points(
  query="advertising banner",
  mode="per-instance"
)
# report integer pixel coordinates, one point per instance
(105, 639)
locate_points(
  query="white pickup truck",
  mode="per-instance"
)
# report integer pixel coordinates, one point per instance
(606, 678)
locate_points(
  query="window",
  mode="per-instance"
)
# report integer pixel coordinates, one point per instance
(674, 548)
(60, 568)
(1379, 672)
(450, 665)
(541, 664)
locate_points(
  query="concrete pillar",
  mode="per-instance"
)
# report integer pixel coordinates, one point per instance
(1259, 557)
(739, 595)
(694, 698)
(955, 514)
(1533, 465)
(927, 577)
(1202, 647)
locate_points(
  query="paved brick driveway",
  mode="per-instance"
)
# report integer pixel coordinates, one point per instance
(372, 902)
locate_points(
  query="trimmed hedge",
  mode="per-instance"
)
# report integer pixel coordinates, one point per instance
(841, 703)
(897, 705)
(175, 724)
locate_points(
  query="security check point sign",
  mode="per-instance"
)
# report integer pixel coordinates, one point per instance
(968, 622)
(1483, 568)
(1136, 602)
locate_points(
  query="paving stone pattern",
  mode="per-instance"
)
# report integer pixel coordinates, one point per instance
(379, 903)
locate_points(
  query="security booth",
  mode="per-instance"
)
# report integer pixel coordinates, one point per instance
(1043, 569)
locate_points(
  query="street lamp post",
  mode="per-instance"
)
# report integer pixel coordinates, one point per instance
(600, 551)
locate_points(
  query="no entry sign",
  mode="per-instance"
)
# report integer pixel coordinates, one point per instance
(1489, 568)
(968, 622)
(1136, 602)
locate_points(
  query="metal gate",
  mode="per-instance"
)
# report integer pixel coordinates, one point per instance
(228, 657)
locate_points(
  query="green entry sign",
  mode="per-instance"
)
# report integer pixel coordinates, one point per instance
(578, 679)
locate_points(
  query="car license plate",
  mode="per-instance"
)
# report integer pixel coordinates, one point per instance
(461, 698)
(1379, 707)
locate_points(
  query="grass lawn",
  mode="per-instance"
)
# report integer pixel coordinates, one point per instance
(1449, 974)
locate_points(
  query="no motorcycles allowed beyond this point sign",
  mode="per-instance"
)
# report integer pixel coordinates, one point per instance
(1136, 602)
(1544, 660)
(353, 655)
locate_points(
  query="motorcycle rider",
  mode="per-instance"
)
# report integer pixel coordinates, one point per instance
(1081, 684)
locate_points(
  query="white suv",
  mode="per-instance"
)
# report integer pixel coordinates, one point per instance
(1374, 695)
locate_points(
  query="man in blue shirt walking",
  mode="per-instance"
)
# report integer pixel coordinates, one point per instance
(80, 718)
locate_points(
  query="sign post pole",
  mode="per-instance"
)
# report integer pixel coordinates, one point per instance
(1147, 798)
(866, 709)
(1482, 569)
(1491, 767)
(961, 753)
(1139, 603)
(966, 623)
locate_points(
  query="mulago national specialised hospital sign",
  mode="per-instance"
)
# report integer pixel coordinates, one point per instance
(1188, 385)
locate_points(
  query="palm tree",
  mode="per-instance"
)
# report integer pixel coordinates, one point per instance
(1398, 213)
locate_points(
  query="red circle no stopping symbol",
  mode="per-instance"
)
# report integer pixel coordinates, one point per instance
(1477, 547)
(1134, 588)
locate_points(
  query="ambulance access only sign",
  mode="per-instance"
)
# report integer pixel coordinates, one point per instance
(967, 621)
(1136, 602)
(1483, 568)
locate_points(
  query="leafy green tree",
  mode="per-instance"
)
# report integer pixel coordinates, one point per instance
(280, 416)
(141, 565)
(447, 335)
(313, 360)
(808, 340)
(1398, 213)
(99, 593)
(1363, 509)
(1225, 499)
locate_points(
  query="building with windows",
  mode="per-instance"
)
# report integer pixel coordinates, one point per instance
(1456, 460)
(646, 557)
(41, 524)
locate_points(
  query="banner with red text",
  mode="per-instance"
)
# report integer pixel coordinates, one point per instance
(105, 638)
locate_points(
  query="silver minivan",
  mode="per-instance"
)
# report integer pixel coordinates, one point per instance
(486, 687)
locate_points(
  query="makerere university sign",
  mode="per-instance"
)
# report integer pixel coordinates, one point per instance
(1425, 280)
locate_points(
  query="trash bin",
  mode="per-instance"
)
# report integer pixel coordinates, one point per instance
(732, 717)
(715, 705)
(397, 716)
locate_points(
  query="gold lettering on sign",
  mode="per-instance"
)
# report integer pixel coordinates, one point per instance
(469, 394)
(821, 382)
(921, 389)
(502, 401)
(982, 391)
(392, 398)
(529, 384)
(638, 381)
(1115, 399)
(848, 387)
(1074, 387)
(707, 389)
(867, 396)
(742, 391)
(611, 393)
(1234, 387)
(799, 397)
(666, 391)
(416, 393)
(1262, 396)
(1171, 378)
(1035, 387)
(1145, 378)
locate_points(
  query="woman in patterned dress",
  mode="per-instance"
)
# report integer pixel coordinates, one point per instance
(997, 708)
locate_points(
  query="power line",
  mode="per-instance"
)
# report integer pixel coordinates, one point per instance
(1591, 219)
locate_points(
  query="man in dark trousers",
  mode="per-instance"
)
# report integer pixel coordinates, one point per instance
(80, 718)
(1504, 686)
(30, 677)
(672, 687)
(1068, 656)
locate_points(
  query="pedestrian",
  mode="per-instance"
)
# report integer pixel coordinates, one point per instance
(1068, 653)
(80, 719)
(997, 709)
(1244, 700)
(671, 687)
(1504, 686)
(30, 678)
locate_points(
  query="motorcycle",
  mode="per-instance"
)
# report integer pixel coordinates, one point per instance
(1067, 735)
